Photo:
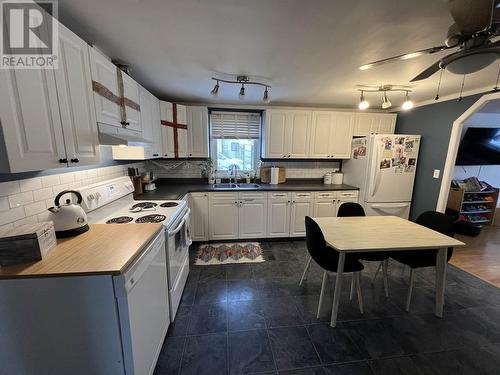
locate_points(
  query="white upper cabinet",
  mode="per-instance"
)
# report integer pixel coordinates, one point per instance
(287, 134)
(331, 134)
(368, 123)
(76, 102)
(322, 126)
(157, 127)
(48, 117)
(146, 114)
(104, 73)
(197, 131)
(167, 132)
(131, 92)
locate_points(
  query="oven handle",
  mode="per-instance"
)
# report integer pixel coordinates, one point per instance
(176, 230)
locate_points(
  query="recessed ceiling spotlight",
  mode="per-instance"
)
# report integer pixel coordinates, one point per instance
(363, 103)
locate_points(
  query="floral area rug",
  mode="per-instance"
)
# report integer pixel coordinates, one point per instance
(225, 253)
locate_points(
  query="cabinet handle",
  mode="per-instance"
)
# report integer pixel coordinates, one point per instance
(75, 160)
(156, 155)
(190, 154)
(63, 160)
(125, 123)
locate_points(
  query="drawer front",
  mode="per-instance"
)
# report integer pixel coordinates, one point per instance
(325, 194)
(253, 195)
(223, 196)
(348, 194)
(285, 196)
(302, 195)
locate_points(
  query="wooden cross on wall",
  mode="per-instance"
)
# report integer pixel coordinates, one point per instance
(175, 125)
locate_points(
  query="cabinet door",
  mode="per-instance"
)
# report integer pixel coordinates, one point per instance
(182, 135)
(104, 72)
(341, 135)
(157, 127)
(146, 114)
(325, 208)
(223, 222)
(386, 123)
(199, 216)
(131, 91)
(167, 133)
(275, 134)
(197, 122)
(363, 124)
(252, 217)
(181, 114)
(300, 209)
(278, 216)
(76, 101)
(322, 124)
(30, 120)
(298, 128)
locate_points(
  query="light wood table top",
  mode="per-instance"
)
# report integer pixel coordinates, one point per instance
(104, 249)
(380, 233)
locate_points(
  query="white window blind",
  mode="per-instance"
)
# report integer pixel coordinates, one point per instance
(235, 125)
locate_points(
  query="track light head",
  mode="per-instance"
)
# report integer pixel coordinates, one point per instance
(266, 98)
(386, 103)
(242, 92)
(215, 90)
(363, 103)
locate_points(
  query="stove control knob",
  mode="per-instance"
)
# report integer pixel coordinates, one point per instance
(97, 195)
(90, 197)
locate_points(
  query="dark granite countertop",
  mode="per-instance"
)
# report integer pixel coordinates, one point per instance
(172, 189)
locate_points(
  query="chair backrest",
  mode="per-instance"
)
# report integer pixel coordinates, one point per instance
(316, 244)
(439, 222)
(351, 209)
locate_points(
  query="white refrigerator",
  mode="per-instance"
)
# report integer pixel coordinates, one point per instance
(383, 167)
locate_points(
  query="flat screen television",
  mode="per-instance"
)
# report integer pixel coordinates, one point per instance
(479, 146)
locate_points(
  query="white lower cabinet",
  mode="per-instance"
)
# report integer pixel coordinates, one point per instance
(302, 206)
(278, 214)
(198, 203)
(223, 216)
(325, 204)
(345, 196)
(252, 215)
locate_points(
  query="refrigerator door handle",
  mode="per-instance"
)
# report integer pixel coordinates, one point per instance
(377, 178)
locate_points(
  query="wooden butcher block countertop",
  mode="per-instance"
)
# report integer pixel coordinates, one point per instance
(102, 250)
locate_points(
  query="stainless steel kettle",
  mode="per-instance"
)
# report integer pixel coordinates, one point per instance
(69, 218)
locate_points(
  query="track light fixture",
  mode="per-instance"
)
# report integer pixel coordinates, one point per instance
(363, 103)
(242, 80)
(386, 103)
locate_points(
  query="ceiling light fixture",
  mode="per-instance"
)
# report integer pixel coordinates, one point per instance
(242, 80)
(407, 104)
(363, 103)
(215, 90)
(386, 103)
(385, 89)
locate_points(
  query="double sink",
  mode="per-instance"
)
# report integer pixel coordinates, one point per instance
(236, 186)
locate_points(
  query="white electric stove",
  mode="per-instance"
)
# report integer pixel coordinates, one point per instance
(111, 203)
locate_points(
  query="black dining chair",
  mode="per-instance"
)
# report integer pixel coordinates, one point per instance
(328, 259)
(434, 220)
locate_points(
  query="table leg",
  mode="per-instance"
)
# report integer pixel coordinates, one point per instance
(441, 263)
(336, 293)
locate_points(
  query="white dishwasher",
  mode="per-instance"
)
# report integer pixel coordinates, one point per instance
(142, 298)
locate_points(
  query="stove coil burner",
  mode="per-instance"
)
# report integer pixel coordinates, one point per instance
(169, 204)
(120, 220)
(144, 205)
(150, 219)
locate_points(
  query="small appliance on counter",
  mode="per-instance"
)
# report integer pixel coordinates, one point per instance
(337, 178)
(327, 178)
(148, 181)
(69, 218)
(26, 243)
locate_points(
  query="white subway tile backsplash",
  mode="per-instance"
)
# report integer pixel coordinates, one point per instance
(30, 184)
(67, 178)
(6, 226)
(9, 188)
(58, 188)
(26, 220)
(35, 208)
(4, 204)
(42, 194)
(20, 199)
(12, 215)
(92, 173)
(51, 180)
(80, 175)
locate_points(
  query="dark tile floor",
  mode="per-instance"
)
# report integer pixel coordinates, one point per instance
(255, 319)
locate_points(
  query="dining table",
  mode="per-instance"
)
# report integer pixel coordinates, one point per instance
(384, 233)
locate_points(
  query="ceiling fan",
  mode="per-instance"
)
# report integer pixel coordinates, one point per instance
(477, 23)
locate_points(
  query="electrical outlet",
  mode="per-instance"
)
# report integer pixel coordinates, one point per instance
(436, 173)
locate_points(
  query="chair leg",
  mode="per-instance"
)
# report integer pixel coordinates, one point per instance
(410, 289)
(353, 283)
(321, 295)
(357, 277)
(385, 267)
(376, 272)
(306, 269)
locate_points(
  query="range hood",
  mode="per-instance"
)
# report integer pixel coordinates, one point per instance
(138, 151)
(113, 135)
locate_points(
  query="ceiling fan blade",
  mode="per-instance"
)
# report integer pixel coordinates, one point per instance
(405, 56)
(428, 72)
(472, 16)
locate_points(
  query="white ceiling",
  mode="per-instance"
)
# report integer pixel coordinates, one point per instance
(309, 51)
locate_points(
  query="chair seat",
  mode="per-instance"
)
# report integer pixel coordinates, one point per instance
(351, 263)
(418, 259)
